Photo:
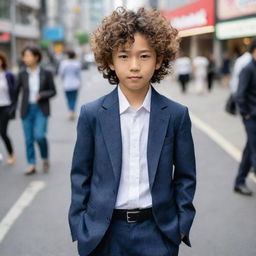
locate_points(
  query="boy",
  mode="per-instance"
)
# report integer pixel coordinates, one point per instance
(126, 198)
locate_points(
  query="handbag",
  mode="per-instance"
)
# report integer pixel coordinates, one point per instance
(231, 106)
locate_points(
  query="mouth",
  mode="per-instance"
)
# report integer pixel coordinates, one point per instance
(134, 78)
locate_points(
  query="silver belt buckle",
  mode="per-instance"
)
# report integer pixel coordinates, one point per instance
(128, 217)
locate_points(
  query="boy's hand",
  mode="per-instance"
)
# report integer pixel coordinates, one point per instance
(182, 236)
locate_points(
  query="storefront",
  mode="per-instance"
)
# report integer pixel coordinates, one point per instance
(236, 24)
(195, 22)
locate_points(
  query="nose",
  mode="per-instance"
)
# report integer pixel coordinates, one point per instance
(134, 65)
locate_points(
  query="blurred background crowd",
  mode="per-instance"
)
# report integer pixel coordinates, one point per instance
(220, 30)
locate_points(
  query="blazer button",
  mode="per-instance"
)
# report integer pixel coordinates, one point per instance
(114, 192)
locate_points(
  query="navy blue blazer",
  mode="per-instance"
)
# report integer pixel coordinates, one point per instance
(11, 90)
(97, 161)
(11, 85)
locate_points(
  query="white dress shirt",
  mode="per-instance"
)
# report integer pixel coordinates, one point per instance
(70, 73)
(183, 66)
(240, 63)
(4, 91)
(34, 83)
(134, 190)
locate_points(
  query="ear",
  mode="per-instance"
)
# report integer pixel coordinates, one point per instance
(159, 61)
(111, 66)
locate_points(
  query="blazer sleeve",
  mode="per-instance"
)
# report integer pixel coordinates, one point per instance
(81, 172)
(185, 175)
(11, 85)
(241, 95)
(51, 91)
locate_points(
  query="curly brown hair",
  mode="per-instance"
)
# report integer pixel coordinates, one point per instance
(119, 28)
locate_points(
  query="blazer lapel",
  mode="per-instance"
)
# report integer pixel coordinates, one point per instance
(41, 79)
(25, 79)
(110, 123)
(158, 123)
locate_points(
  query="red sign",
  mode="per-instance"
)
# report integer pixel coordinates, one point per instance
(199, 13)
(5, 37)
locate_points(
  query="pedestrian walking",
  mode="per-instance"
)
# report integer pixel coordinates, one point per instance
(183, 69)
(37, 86)
(240, 63)
(246, 100)
(7, 105)
(127, 199)
(225, 70)
(70, 73)
(211, 71)
(200, 65)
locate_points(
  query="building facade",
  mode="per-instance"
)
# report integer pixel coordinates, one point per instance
(235, 24)
(212, 26)
(195, 21)
(19, 26)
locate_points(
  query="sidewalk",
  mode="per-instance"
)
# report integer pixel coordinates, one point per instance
(209, 108)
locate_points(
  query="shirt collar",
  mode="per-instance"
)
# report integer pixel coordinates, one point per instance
(124, 104)
(35, 72)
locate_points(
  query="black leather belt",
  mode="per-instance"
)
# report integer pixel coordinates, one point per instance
(131, 216)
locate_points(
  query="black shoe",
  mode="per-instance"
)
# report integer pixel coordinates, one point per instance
(243, 190)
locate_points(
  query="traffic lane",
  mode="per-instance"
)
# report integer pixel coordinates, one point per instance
(12, 179)
(42, 229)
(225, 221)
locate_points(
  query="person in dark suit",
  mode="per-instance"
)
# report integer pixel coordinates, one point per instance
(246, 100)
(7, 91)
(37, 86)
(133, 172)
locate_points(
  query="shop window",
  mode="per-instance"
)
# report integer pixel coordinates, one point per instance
(4, 9)
(26, 16)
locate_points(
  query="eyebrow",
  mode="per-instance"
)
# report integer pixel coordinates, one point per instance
(125, 51)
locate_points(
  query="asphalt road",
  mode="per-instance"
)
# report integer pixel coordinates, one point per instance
(225, 222)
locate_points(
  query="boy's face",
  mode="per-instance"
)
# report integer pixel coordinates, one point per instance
(135, 64)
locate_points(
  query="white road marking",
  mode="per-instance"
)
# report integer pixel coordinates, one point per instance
(24, 200)
(219, 139)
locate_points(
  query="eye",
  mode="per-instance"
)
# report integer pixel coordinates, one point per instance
(145, 56)
(123, 56)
